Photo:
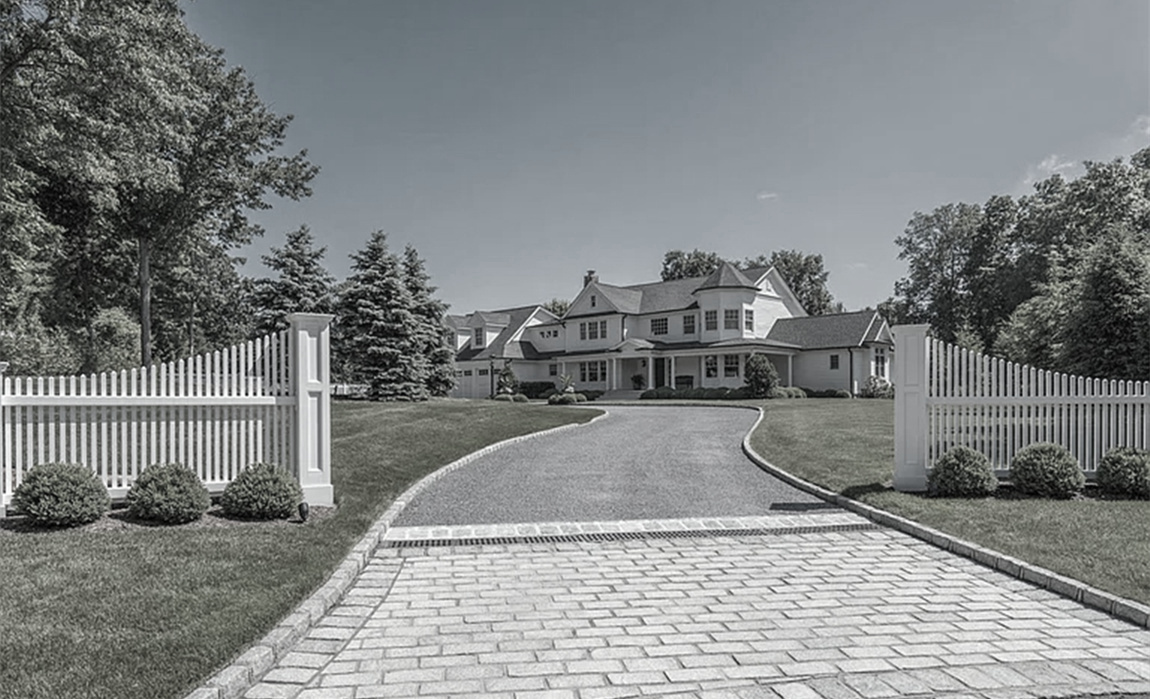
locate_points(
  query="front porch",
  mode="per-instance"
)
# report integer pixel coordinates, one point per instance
(640, 369)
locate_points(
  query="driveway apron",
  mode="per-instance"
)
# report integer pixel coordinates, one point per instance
(645, 555)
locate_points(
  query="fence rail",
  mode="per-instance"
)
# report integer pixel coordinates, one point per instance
(947, 396)
(264, 400)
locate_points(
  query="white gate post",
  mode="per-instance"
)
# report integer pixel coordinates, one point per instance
(910, 416)
(310, 356)
(3, 456)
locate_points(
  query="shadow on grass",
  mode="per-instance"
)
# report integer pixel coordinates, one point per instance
(857, 492)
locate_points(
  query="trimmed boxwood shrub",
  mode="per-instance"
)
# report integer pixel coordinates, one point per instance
(61, 495)
(1048, 470)
(561, 399)
(717, 393)
(962, 473)
(261, 491)
(503, 397)
(1125, 471)
(168, 493)
(592, 394)
(519, 398)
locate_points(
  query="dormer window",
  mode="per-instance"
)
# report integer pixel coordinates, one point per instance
(593, 300)
(479, 337)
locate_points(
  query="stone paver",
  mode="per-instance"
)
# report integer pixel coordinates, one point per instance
(830, 614)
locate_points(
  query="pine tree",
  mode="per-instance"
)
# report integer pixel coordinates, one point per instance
(429, 313)
(303, 285)
(377, 333)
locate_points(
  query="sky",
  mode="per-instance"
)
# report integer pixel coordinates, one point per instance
(518, 144)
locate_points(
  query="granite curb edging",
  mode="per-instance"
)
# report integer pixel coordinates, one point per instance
(245, 671)
(1120, 607)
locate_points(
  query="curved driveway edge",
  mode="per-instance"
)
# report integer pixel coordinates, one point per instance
(1125, 609)
(244, 671)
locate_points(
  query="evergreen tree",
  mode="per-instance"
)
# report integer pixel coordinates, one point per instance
(378, 334)
(1107, 330)
(430, 332)
(303, 285)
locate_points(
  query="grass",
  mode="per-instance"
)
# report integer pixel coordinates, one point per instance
(848, 447)
(151, 612)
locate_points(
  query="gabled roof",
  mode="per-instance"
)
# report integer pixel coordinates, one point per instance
(454, 322)
(727, 276)
(513, 320)
(480, 319)
(830, 331)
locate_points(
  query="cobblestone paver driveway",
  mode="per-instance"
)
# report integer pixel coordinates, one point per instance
(781, 605)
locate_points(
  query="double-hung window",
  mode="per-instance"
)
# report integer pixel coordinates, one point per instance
(834, 362)
(711, 320)
(689, 325)
(880, 362)
(748, 320)
(478, 336)
(658, 326)
(593, 330)
(731, 319)
(731, 365)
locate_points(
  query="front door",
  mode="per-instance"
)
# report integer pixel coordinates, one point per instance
(660, 372)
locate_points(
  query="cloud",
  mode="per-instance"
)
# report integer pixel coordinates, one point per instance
(764, 196)
(1141, 125)
(857, 265)
(1050, 165)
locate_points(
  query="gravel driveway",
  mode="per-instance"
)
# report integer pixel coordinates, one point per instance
(635, 463)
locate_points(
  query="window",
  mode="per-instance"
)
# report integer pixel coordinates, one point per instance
(483, 372)
(552, 369)
(731, 365)
(711, 320)
(658, 326)
(731, 319)
(689, 325)
(467, 372)
(582, 331)
(834, 362)
(880, 362)
(592, 371)
(603, 329)
(712, 364)
(458, 373)
(478, 341)
(593, 330)
(593, 300)
(749, 320)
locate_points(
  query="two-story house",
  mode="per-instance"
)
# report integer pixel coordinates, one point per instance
(684, 333)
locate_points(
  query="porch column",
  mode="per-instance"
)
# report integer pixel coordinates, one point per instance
(790, 370)
(651, 371)
(671, 378)
(614, 373)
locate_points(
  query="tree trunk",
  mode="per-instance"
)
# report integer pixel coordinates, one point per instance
(145, 302)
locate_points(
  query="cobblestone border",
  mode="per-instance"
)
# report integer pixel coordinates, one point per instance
(1125, 609)
(250, 666)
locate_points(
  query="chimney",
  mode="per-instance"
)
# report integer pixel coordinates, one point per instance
(590, 277)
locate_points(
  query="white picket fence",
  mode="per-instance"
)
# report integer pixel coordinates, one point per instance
(267, 400)
(947, 396)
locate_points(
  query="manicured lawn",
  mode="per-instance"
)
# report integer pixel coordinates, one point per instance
(151, 612)
(848, 446)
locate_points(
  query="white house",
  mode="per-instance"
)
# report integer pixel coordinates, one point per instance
(684, 333)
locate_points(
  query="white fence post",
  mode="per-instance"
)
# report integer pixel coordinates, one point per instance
(910, 416)
(310, 356)
(4, 480)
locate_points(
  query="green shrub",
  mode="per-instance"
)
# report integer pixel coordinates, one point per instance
(61, 495)
(876, 387)
(168, 493)
(519, 398)
(580, 397)
(502, 397)
(1125, 471)
(778, 392)
(548, 393)
(562, 399)
(592, 394)
(740, 393)
(261, 491)
(796, 392)
(962, 473)
(638, 382)
(760, 376)
(536, 389)
(842, 393)
(1046, 470)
